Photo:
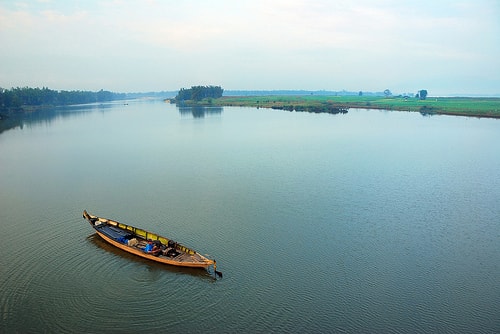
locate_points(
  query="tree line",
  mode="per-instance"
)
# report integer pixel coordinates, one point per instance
(198, 93)
(16, 98)
(421, 94)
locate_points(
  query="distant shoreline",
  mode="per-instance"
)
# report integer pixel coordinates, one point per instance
(488, 107)
(455, 106)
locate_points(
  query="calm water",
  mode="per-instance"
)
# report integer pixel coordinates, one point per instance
(371, 221)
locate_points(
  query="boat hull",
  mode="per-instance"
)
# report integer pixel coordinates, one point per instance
(186, 257)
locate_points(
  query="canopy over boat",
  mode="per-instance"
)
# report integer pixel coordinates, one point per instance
(148, 245)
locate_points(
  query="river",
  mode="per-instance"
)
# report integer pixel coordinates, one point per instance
(370, 221)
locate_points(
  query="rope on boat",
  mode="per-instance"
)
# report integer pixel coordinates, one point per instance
(216, 273)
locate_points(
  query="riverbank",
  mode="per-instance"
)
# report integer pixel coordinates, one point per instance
(460, 106)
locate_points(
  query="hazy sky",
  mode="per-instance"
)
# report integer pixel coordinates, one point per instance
(443, 46)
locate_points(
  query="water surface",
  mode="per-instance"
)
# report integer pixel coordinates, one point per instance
(372, 221)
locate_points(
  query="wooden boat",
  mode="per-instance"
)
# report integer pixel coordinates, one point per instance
(134, 240)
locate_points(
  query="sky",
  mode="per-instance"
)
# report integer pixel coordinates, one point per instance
(448, 47)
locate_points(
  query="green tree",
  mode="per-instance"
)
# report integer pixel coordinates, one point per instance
(198, 93)
(15, 98)
(422, 94)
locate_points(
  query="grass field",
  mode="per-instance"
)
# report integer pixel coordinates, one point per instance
(463, 106)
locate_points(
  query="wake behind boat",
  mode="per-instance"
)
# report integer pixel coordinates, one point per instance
(148, 245)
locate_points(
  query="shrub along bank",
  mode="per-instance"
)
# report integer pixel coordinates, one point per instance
(463, 106)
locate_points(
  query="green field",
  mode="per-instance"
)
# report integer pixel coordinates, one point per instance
(463, 106)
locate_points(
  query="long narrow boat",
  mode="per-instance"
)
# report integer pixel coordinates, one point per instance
(134, 240)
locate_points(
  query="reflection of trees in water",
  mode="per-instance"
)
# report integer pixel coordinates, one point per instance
(200, 111)
(20, 120)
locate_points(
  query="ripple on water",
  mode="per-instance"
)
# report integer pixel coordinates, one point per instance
(79, 283)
